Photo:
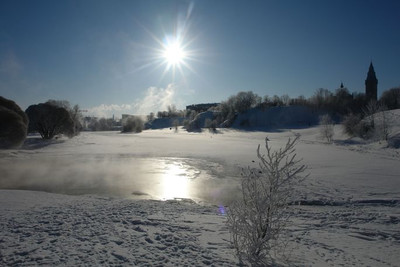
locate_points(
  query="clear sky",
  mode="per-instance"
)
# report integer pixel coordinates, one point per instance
(107, 56)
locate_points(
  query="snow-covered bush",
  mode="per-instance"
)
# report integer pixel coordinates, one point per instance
(132, 124)
(257, 219)
(13, 124)
(326, 125)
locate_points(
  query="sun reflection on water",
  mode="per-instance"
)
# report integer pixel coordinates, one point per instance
(175, 182)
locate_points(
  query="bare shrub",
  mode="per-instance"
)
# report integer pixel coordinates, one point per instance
(257, 220)
(326, 126)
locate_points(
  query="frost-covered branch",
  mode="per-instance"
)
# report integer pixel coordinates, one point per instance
(257, 219)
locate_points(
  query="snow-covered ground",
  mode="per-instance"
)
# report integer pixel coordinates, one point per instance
(99, 199)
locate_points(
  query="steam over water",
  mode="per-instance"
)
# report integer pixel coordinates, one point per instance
(121, 175)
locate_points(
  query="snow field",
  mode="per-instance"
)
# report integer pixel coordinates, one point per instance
(349, 212)
(92, 230)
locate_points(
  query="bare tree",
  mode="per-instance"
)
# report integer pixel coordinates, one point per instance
(257, 219)
(276, 101)
(322, 98)
(326, 125)
(285, 99)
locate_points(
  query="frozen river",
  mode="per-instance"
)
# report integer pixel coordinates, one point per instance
(203, 167)
(350, 202)
(111, 164)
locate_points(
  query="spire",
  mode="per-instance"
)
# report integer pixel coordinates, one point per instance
(371, 73)
(341, 85)
(371, 84)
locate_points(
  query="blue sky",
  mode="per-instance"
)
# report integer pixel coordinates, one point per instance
(106, 55)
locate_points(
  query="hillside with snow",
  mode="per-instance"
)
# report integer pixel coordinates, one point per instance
(160, 198)
(280, 117)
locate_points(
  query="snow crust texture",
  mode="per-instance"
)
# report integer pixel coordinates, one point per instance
(77, 231)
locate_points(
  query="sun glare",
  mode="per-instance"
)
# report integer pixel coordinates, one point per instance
(175, 183)
(174, 54)
(175, 51)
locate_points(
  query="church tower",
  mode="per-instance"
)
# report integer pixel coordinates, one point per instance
(371, 84)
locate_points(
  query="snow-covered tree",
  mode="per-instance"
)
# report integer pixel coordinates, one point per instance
(257, 219)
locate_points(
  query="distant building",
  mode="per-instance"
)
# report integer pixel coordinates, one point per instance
(371, 84)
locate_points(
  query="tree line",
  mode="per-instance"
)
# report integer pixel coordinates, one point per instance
(56, 117)
(49, 119)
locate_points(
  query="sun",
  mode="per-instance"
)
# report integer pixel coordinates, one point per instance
(174, 54)
(175, 50)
